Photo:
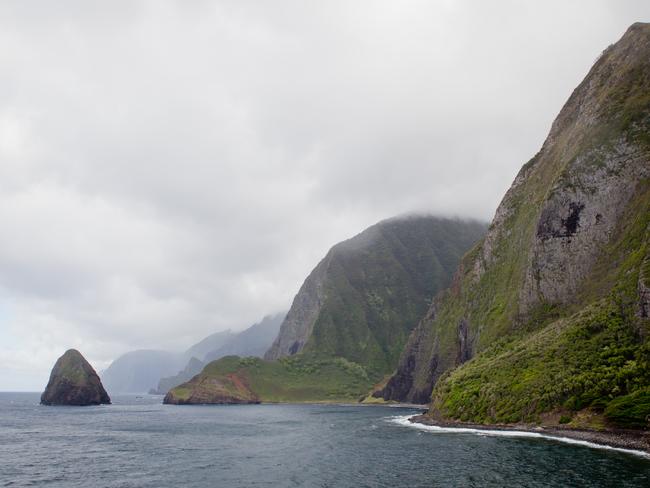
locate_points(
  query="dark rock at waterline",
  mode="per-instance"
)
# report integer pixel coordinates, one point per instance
(206, 389)
(73, 381)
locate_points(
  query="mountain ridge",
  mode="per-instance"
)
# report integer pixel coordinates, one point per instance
(377, 283)
(569, 237)
(348, 322)
(155, 371)
(252, 341)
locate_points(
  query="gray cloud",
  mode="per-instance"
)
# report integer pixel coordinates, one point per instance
(170, 169)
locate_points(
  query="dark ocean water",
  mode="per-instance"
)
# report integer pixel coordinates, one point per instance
(138, 442)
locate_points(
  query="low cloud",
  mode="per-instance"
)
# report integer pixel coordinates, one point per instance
(170, 169)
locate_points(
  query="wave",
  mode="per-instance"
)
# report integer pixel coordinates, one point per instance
(403, 420)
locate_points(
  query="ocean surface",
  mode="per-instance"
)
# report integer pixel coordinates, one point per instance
(137, 442)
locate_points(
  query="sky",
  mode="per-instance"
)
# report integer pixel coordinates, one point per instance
(172, 169)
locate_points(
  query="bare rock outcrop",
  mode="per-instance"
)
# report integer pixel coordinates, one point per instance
(73, 381)
(546, 249)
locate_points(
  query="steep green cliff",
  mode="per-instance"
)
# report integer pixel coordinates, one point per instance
(549, 313)
(353, 314)
(367, 294)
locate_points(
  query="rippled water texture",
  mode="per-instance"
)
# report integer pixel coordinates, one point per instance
(139, 442)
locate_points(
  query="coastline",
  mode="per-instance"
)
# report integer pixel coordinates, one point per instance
(635, 440)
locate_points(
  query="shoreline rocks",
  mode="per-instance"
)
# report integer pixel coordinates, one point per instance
(638, 440)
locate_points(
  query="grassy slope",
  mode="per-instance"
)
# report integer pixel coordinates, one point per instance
(292, 379)
(592, 352)
(598, 357)
(73, 367)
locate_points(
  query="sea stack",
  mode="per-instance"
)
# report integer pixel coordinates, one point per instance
(73, 381)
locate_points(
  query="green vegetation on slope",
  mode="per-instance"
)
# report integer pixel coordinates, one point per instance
(632, 410)
(374, 288)
(588, 360)
(73, 367)
(292, 379)
(350, 319)
(561, 241)
(597, 358)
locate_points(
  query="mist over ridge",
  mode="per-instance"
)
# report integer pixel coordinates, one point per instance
(169, 170)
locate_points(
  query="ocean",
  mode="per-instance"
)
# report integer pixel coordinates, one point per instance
(138, 442)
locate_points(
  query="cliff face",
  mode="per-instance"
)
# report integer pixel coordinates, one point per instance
(299, 322)
(571, 232)
(73, 381)
(367, 294)
(349, 321)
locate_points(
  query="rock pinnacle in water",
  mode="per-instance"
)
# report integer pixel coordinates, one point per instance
(73, 381)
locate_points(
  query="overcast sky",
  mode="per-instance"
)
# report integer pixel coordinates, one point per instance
(171, 169)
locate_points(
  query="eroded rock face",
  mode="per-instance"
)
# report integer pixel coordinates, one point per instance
(464, 342)
(207, 390)
(578, 219)
(299, 322)
(412, 383)
(424, 361)
(73, 381)
(400, 385)
(643, 310)
(546, 248)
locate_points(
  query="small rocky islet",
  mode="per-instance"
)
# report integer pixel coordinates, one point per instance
(73, 381)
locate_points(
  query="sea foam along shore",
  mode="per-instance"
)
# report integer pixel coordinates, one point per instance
(635, 443)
